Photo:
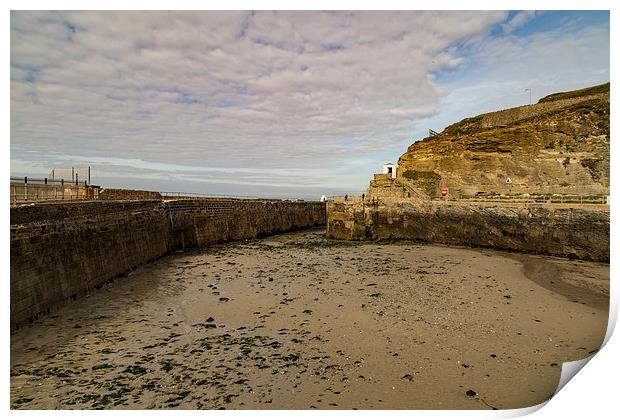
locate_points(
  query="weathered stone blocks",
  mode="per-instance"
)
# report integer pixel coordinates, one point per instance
(62, 251)
(564, 232)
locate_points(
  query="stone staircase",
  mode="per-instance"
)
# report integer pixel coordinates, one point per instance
(384, 187)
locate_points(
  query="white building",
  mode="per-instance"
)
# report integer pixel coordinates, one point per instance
(390, 169)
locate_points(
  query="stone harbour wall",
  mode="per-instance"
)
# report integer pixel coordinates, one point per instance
(44, 212)
(207, 221)
(62, 251)
(563, 232)
(57, 260)
(121, 194)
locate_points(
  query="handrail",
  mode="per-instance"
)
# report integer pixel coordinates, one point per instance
(48, 181)
(34, 192)
(585, 199)
(417, 193)
(178, 194)
(547, 198)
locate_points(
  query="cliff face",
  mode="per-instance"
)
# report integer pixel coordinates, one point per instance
(559, 145)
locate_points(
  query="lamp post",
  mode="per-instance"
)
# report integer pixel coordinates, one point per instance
(529, 90)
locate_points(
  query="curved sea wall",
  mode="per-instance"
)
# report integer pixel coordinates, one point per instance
(62, 251)
(564, 232)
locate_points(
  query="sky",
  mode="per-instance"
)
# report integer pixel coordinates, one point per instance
(273, 104)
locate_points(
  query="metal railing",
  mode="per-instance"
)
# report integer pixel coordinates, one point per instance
(346, 197)
(409, 188)
(33, 190)
(180, 195)
(555, 200)
(177, 194)
(534, 199)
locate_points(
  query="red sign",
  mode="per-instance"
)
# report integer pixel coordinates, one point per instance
(444, 191)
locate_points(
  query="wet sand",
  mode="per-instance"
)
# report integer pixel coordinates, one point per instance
(295, 321)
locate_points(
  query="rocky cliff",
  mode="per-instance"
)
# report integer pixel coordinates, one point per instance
(559, 145)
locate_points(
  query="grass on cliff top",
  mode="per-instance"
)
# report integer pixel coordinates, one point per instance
(467, 125)
(593, 90)
(473, 123)
(597, 106)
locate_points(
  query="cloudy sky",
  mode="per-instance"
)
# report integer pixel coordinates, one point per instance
(289, 104)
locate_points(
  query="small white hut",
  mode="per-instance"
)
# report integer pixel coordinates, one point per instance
(390, 169)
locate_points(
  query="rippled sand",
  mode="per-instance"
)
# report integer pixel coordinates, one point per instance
(297, 321)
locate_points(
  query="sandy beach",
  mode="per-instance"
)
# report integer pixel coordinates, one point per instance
(296, 321)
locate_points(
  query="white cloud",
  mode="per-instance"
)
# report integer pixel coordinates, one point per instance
(503, 67)
(265, 91)
(518, 20)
